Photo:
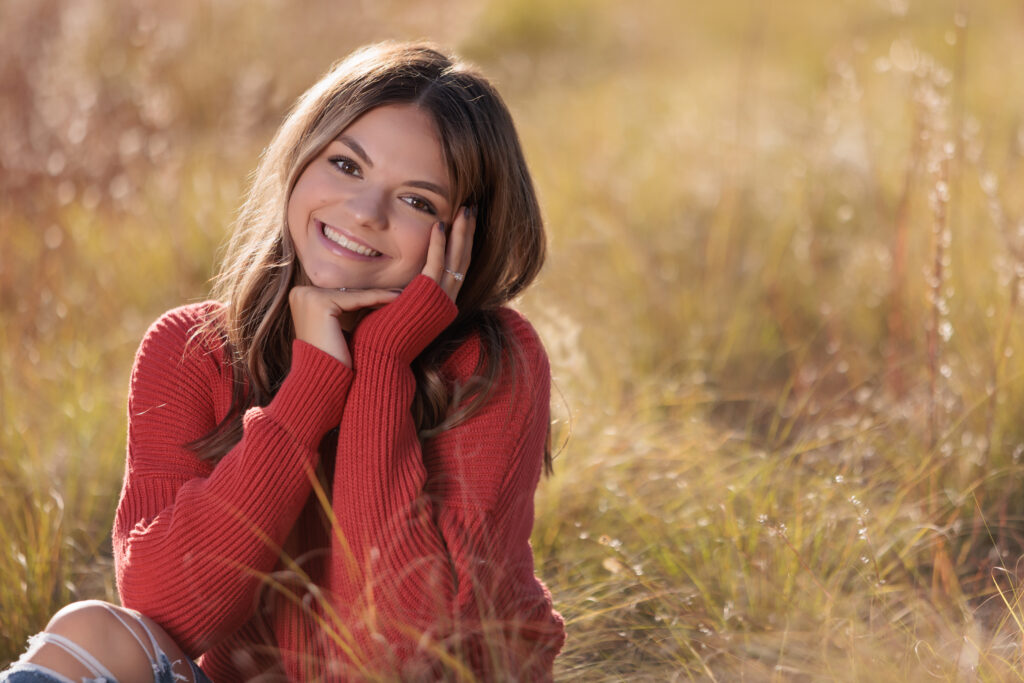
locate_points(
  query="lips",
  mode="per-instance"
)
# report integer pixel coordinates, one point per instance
(342, 240)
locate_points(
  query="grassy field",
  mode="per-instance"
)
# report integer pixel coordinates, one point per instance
(782, 304)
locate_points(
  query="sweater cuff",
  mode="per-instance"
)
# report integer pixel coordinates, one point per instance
(312, 396)
(403, 328)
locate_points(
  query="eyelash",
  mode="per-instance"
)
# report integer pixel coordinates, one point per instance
(349, 167)
(341, 162)
(424, 205)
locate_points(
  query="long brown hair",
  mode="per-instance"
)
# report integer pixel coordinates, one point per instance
(488, 171)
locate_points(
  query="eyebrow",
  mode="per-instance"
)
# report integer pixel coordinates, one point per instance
(427, 185)
(364, 157)
(357, 148)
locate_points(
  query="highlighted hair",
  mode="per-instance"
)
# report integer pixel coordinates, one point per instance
(488, 170)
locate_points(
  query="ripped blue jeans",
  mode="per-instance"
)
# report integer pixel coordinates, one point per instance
(163, 668)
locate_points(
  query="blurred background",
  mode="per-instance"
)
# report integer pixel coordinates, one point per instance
(782, 303)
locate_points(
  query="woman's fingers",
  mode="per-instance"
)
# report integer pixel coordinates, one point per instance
(457, 246)
(467, 247)
(335, 302)
(357, 299)
(434, 267)
(321, 315)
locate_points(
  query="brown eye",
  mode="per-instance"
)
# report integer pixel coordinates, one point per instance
(420, 204)
(346, 166)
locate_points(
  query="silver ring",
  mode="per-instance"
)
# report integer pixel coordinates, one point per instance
(457, 276)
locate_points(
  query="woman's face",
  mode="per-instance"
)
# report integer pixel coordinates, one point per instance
(362, 210)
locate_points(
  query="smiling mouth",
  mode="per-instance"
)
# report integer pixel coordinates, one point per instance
(340, 239)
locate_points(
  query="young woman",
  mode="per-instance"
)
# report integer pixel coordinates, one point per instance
(331, 467)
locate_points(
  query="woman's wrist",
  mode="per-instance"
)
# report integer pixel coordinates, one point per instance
(406, 326)
(312, 396)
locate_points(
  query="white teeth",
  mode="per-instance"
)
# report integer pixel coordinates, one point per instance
(335, 236)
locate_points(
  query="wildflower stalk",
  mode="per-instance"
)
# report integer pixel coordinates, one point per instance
(1002, 349)
(945, 583)
(939, 200)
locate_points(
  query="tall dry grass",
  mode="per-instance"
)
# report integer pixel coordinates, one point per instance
(782, 304)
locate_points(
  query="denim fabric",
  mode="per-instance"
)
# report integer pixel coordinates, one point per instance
(26, 672)
(163, 669)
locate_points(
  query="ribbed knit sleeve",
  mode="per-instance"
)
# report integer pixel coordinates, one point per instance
(191, 540)
(431, 554)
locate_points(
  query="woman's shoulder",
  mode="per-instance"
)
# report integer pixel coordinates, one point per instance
(521, 334)
(521, 347)
(185, 321)
(517, 325)
(181, 334)
(188, 317)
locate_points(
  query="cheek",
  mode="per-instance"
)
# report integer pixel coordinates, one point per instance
(293, 208)
(292, 218)
(308, 189)
(300, 204)
(417, 244)
(296, 225)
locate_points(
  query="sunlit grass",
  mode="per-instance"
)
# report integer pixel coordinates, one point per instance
(786, 449)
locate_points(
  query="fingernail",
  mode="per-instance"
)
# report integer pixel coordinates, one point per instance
(395, 291)
(441, 226)
(467, 211)
(474, 208)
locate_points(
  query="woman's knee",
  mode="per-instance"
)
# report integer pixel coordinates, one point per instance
(121, 645)
(81, 620)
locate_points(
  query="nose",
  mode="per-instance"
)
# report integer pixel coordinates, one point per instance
(368, 208)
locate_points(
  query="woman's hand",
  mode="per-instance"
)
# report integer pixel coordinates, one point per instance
(448, 255)
(319, 315)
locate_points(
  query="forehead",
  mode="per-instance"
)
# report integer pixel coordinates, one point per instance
(403, 131)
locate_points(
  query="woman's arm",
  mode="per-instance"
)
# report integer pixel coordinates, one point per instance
(431, 551)
(191, 541)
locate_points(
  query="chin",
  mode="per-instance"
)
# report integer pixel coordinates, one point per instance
(329, 278)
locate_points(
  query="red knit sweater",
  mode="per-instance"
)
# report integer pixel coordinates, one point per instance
(368, 555)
